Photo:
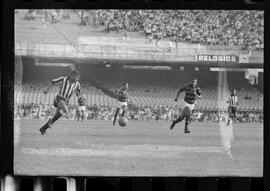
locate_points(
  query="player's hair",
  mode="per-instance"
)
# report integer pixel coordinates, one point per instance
(194, 79)
(124, 83)
(75, 73)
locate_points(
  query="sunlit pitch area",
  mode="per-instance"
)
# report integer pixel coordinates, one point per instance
(139, 149)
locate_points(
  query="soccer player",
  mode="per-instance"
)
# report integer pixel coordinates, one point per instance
(233, 103)
(69, 86)
(191, 93)
(81, 107)
(122, 101)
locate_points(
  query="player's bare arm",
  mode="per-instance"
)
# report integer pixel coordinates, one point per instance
(53, 82)
(78, 90)
(199, 93)
(178, 93)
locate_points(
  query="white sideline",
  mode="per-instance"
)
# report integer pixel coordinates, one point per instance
(124, 151)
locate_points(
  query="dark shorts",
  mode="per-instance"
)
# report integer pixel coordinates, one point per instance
(61, 103)
(232, 111)
(188, 112)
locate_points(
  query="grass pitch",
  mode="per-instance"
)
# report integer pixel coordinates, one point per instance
(96, 148)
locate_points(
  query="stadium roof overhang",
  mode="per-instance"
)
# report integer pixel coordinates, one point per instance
(95, 61)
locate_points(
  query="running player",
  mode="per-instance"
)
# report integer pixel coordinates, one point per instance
(233, 103)
(122, 101)
(69, 86)
(81, 108)
(191, 93)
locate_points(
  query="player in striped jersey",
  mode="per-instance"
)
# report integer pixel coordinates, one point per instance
(191, 93)
(233, 103)
(122, 101)
(69, 86)
(81, 108)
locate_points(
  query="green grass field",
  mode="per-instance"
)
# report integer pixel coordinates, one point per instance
(140, 149)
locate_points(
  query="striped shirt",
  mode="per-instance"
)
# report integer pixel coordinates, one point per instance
(67, 88)
(190, 93)
(233, 101)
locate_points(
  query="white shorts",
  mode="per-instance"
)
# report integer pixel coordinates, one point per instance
(190, 106)
(120, 104)
(82, 108)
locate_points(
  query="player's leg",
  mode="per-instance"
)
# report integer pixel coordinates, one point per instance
(229, 116)
(124, 108)
(188, 119)
(115, 115)
(233, 114)
(78, 114)
(63, 109)
(185, 113)
(187, 122)
(82, 115)
(60, 111)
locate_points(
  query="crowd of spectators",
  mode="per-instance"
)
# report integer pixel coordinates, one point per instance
(243, 28)
(143, 113)
(48, 16)
(216, 27)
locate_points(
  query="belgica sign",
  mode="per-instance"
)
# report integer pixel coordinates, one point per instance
(217, 58)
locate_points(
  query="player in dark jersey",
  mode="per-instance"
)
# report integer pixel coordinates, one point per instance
(191, 93)
(81, 107)
(69, 86)
(122, 101)
(233, 103)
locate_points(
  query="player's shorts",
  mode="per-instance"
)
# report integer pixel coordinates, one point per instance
(120, 104)
(232, 111)
(61, 103)
(82, 108)
(188, 108)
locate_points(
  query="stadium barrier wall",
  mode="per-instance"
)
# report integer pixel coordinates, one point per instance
(183, 54)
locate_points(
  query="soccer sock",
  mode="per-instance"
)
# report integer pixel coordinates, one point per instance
(187, 122)
(123, 113)
(115, 115)
(54, 119)
(82, 116)
(180, 118)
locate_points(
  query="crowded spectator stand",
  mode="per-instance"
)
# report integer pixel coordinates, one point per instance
(243, 28)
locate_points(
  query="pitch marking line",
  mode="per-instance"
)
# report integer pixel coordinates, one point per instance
(124, 151)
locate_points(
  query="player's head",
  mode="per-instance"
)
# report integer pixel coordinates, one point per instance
(194, 82)
(74, 75)
(125, 85)
(234, 92)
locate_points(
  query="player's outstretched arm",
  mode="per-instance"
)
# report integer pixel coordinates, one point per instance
(78, 90)
(58, 79)
(178, 93)
(199, 93)
(47, 89)
(53, 82)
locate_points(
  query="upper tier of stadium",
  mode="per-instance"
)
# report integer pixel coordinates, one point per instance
(150, 34)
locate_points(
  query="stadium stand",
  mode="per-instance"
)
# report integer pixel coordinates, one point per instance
(140, 96)
(233, 28)
(197, 26)
(193, 27)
